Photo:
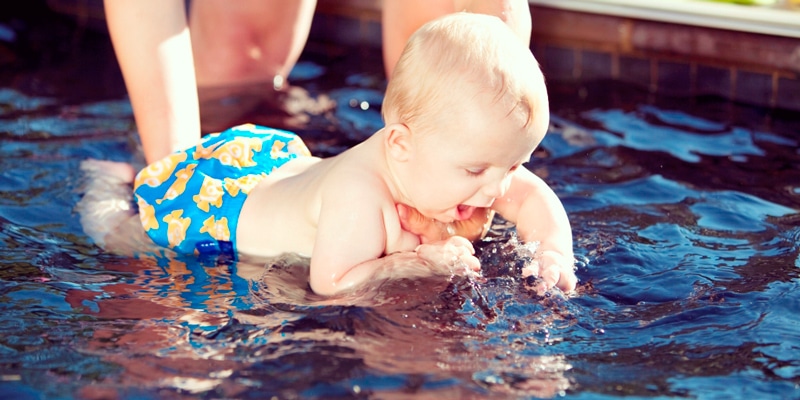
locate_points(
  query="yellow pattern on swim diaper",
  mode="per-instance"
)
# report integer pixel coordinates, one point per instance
(147, 214)
(159, 171)
(179, 186)
(217, 229)
(210, 194)
(277, 150)
(296, 146)
(176, 227)
(235, 153)
(243, 183)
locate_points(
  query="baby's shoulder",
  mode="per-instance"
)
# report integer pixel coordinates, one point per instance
(352, 178)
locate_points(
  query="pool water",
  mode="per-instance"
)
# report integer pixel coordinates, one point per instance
(686, 225)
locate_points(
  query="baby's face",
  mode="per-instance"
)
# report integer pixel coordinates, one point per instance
(469, 163)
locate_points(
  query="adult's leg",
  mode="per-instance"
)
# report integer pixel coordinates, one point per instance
(515, 13)
(153, 48)
(248, 41)
(402, 17)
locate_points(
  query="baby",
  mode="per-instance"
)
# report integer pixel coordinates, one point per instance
(465, 108)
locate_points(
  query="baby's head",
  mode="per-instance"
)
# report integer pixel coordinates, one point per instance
(460, 60)
(470, 105)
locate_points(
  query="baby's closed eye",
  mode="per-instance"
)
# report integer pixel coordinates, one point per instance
(475, 171)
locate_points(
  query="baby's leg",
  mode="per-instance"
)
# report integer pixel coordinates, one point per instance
(107, 197)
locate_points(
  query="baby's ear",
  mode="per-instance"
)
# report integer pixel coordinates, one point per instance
(398, 142)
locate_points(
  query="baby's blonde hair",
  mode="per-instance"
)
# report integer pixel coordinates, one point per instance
(462, 50)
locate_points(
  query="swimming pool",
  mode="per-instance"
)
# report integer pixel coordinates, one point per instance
(685, 216)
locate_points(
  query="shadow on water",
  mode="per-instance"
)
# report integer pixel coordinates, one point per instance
(684, 214)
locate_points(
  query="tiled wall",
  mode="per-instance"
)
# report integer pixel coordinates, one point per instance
(667, 58)
(663, 58)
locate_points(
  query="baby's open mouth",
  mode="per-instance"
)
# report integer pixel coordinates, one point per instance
(464, 212)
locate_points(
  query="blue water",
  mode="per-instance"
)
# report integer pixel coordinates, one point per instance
(685, 217)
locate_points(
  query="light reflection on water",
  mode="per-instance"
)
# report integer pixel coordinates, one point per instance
(686, 234)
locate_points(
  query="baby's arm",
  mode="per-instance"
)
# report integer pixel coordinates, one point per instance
(540, 217)
(357, 226)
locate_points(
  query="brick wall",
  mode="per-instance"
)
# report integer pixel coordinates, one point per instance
(667, 58)
(663, 58)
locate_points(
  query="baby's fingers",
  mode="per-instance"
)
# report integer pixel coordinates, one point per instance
(463, 254)
(452, 255)
(460, 242)
(553, 270)
(471, 263)
(550, 276)
(559, 271)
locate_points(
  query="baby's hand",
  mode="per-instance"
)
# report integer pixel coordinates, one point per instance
(454, 255)
(554, 270)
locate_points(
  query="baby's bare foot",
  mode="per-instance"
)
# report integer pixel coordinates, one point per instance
(120, 170)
